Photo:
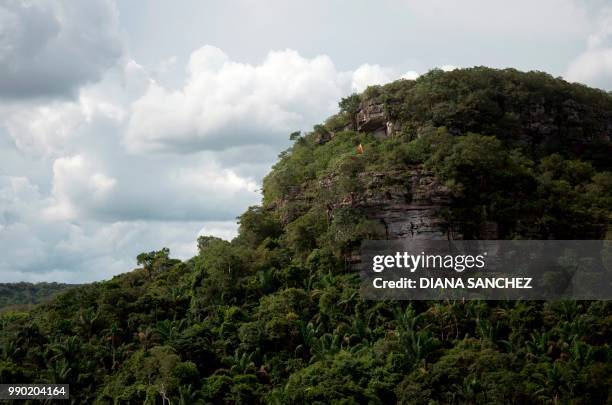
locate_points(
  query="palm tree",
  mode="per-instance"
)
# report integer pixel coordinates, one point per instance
(187, 395)
(169, 330)
(59, 372)
(242, 363)
(113, 335)
(87, 321)
(65, 349)
(415, 342)
(145, 337)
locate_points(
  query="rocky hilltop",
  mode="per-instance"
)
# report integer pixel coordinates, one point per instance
(530, 113)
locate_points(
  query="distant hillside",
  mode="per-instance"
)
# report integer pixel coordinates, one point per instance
(20, 294)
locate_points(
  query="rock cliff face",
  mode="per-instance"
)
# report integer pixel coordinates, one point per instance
(323, 137)
(409, 204)
(542, 123)
(415, 208)
(372, 117)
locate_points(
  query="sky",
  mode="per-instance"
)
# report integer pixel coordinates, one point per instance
(127, 128)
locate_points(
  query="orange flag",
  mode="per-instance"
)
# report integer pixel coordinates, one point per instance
(360, 149)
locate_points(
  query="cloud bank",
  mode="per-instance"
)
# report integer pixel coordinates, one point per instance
(51, 47)
(594, 65)
(225, 104)
(129, 164)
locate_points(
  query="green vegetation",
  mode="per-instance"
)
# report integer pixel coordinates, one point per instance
(22, 295)
(275, 316)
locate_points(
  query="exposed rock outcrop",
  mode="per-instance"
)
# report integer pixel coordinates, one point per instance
(409, 203)
(372, 117)
(323, 137)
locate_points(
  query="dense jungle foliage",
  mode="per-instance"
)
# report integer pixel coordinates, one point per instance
(21, 295)
(275, 316)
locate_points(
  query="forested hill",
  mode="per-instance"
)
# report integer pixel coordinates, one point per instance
(14, 295)
(275, 316)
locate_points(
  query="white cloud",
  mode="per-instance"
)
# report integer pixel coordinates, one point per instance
(21, 248)
(368, 75)
(51, 47)
(46, 129)
(222, 229)
(212, 178)
(35, 248)
(594, 65)
(183, 189)
(19, 200)
(103, 203)
(49, 129)
(53, 129)
(410, 75)
(226, 103)
(88, 251)
(77, 188)
(448, 68)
